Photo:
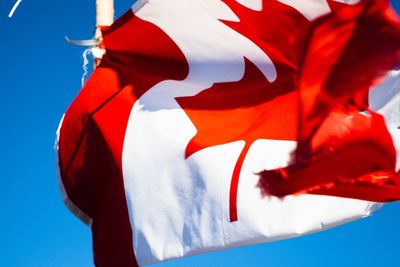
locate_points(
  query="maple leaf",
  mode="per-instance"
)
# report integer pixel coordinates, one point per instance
(278, 29)
(252, 108)
(247, 110)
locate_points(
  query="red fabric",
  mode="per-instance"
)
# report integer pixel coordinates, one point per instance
(93, 130)
(340, 151)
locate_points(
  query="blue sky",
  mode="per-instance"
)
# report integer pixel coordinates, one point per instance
(40, 75)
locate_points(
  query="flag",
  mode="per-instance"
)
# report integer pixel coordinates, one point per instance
(200, 126)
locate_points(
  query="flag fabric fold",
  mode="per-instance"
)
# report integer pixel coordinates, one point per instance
(211, 124)
(344, 147)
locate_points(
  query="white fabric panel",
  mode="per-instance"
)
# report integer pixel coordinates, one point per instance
(349, 2)
(180, 207)
(385, 99)
(310, 9)
(252, 4)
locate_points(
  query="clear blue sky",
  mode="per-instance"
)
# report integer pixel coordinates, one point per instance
(39, 76)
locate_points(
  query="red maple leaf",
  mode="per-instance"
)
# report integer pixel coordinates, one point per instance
(252, 108)
(247, 110)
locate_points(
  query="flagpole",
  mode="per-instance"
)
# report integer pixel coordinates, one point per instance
(104, 17)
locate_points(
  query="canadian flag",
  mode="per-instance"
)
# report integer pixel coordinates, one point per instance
(212, 124)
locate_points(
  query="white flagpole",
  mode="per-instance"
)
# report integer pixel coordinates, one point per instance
(104, 17)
